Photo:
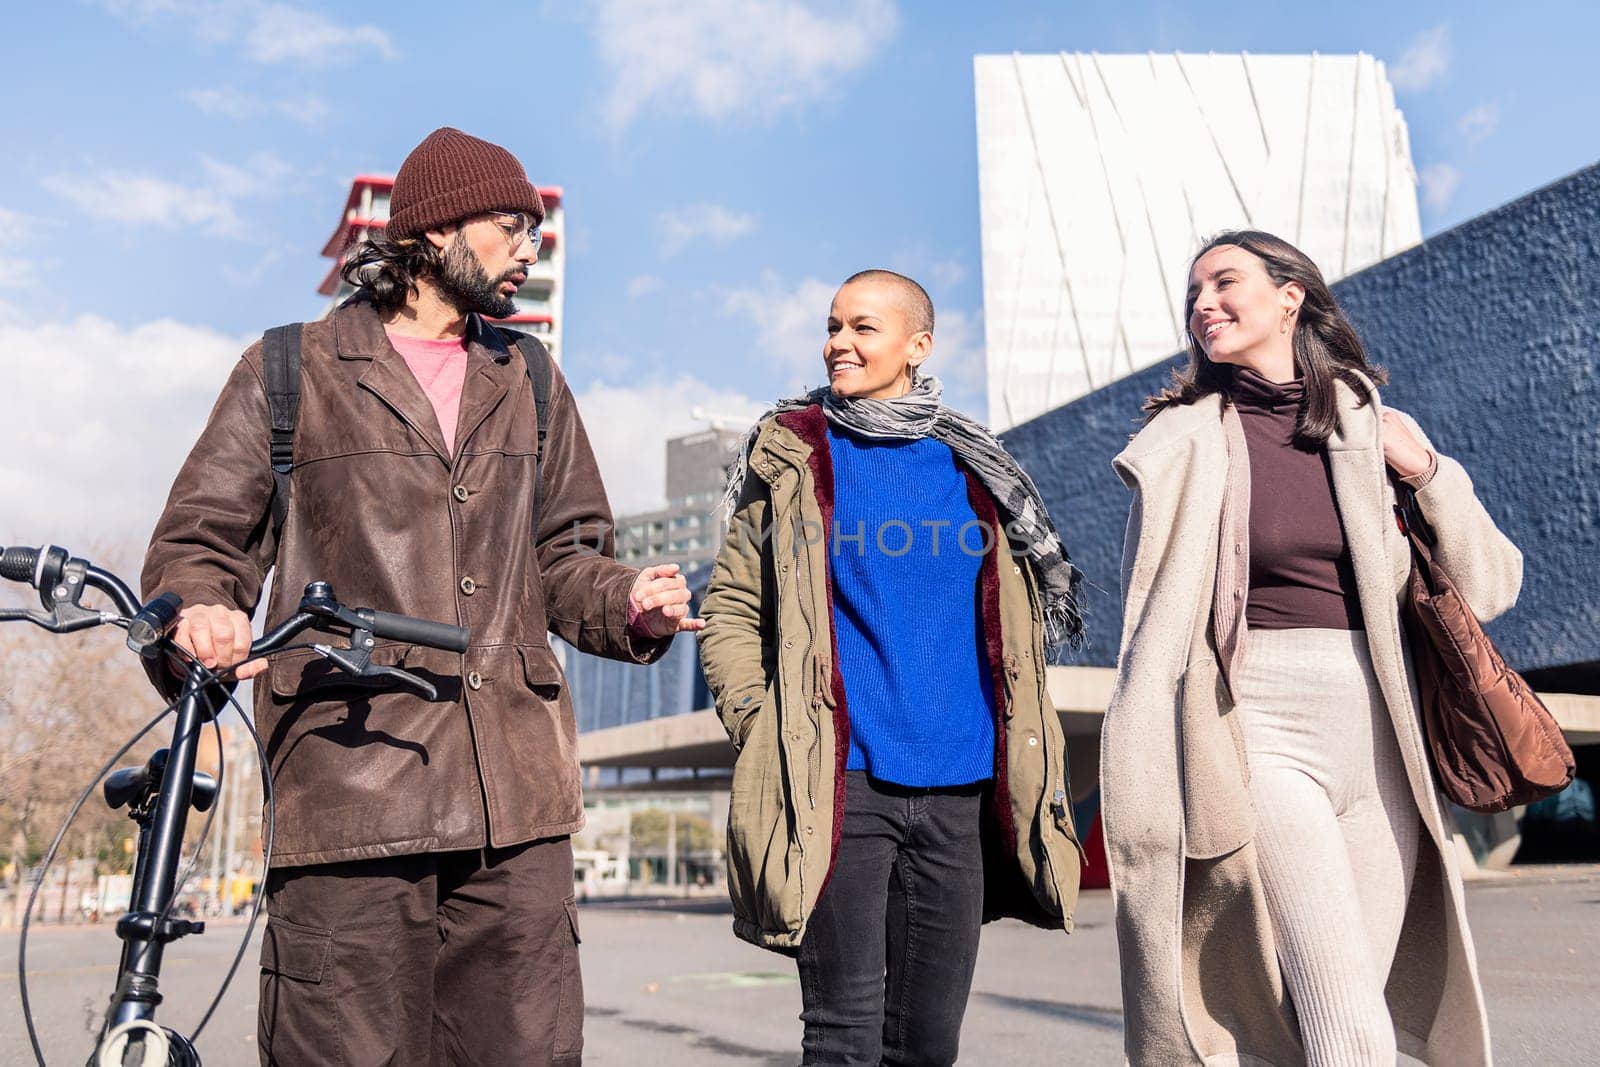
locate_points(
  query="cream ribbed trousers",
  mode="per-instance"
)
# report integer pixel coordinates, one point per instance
(1336, 833)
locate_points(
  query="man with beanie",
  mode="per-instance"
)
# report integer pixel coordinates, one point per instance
(421, 893)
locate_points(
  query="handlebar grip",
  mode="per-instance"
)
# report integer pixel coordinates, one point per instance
(417, 631)
(18, 563)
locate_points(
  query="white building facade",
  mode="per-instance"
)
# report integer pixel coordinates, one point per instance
(1100, 176)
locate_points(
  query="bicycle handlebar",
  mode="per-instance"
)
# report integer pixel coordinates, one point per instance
(59, 577)
(17, 564)
(415, 631)
(159, 800)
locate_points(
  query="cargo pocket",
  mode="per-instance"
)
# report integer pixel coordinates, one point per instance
(295, 951)
(297, 1010)
(569, 1006)
(742, 715)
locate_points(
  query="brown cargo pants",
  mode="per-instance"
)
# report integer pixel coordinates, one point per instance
(446, 958)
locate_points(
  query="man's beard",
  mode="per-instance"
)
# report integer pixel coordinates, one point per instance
(467, 286)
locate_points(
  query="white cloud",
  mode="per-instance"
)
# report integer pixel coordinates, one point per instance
(143, 200)
(142, 10)
(947, 273)
(210, 202)
(15, 272)
(711, 223)
(643, 285)
(15, 231)
(138, 397)
(637, 421)
(267, 32)
(791, 324)
(1424, 62)
(231, 103)
(280, 32)
(1479, 124)
(725, 58)
(933, 272)
(1439, 183)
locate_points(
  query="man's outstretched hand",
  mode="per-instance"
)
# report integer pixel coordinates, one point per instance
(659, 603)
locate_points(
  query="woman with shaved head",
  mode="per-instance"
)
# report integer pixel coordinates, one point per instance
(876, 631)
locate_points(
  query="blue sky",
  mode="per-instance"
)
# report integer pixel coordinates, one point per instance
(174, 167)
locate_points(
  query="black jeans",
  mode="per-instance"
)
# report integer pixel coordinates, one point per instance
(886, 963)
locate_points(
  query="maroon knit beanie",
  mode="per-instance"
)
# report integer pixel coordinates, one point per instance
(451, 176)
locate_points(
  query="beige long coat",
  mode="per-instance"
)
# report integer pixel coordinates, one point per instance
(1201, 982)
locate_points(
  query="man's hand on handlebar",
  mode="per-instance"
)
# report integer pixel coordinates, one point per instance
(217, 636)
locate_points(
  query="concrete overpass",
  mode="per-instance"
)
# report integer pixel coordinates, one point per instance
(696, 739)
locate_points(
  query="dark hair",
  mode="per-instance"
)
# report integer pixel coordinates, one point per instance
(388, 267)
(918, 305)
(1326, 346)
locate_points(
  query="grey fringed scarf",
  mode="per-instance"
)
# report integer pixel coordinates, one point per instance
(920, 414)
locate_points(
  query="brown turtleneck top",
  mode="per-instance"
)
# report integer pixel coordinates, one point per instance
(1300, 570)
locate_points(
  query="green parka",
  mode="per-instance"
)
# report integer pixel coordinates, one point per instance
(770, 658)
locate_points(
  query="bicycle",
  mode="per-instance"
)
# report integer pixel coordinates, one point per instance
(159, 794)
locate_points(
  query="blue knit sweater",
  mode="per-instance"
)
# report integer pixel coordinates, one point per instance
(906, 611)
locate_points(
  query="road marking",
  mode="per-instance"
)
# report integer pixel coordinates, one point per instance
(739, 979)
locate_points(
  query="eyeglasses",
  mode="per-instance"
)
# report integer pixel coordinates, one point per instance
(518, 226)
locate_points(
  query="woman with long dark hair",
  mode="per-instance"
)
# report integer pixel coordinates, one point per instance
(1285, 878)
(876, 627)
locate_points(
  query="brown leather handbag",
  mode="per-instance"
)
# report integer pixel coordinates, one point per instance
(1494, 744)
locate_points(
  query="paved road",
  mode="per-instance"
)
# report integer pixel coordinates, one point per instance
(671, 986)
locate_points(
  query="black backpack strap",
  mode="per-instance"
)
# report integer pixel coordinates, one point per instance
(541, 376)
(280, 364)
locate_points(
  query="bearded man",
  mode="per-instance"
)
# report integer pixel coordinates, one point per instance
(421, 892)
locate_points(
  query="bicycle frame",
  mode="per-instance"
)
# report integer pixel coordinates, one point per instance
(160, 794)
(148, 927)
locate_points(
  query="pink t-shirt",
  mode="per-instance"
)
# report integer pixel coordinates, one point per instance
(440, 367)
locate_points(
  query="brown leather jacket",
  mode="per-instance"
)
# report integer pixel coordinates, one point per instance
(383, 511)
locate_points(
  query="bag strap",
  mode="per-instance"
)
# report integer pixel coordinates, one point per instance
(541, 375)
(280, 364)
(1409, 514)
(280, 360)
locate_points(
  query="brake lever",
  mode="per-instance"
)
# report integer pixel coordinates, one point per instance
(426, 690)
(63, 613)
(357, 661)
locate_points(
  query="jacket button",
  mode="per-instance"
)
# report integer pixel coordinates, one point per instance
(1238, 550)
(1032, 741)
(460, 493)
(474, 680)
(468, 586)
(788, 642)
(808, 829)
